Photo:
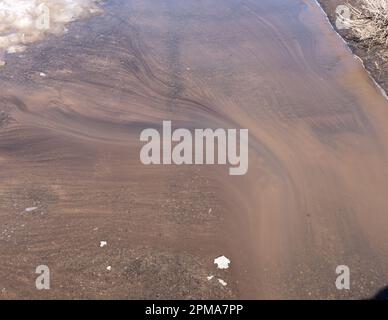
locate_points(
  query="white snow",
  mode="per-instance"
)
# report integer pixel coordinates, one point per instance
(31, 209)
(109, 268)
(222, 282)
(222, 262)
(210, 277)
(26, 21)
(16, 49)
(103, 244)
(42, 74)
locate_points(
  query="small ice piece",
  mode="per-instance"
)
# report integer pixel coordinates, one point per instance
(16, 49)
(109, 268)
(31, 209)
(42, 74)
(222, 282)
(103, 244)
(210, 210)
(210, 277)
(222, 262)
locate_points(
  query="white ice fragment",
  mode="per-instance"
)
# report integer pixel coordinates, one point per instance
(31, 209)
(109, 268)
(210, 277)
(210, 210)
(222, 282)
(42, 74)
(222, 262)
(16, 49)
(103, 244)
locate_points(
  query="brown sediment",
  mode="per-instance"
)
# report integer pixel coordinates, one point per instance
(313, 198)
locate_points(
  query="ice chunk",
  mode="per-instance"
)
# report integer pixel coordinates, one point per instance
(222, 262)
(222, 282)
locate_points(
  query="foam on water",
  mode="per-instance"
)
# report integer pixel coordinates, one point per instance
(26, 21)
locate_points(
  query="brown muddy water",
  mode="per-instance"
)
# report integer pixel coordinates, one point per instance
(315, 195)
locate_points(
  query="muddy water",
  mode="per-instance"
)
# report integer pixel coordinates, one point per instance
(314, 196)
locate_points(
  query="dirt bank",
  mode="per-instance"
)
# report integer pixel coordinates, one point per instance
(374, 57)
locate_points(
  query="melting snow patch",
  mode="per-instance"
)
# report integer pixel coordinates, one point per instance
(109, 268)
(103, 244)
(222, 262)
(210, 277)
(26, 21)
(31, 209)
(222, 282)
(16, 49)
(42, 74)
